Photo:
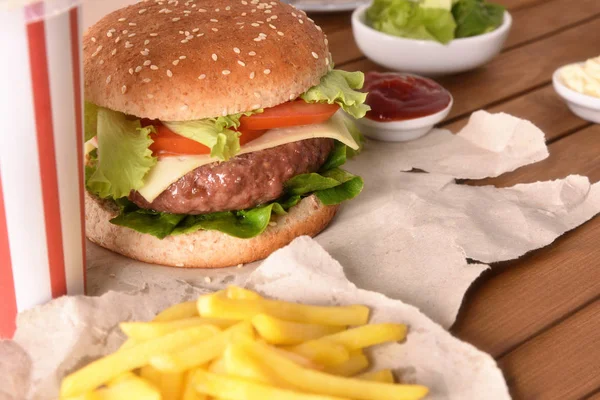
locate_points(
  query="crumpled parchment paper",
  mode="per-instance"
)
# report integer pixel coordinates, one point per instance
(69, 332)
(409, 235)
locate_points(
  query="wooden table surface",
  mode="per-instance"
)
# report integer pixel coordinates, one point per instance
(538, 316)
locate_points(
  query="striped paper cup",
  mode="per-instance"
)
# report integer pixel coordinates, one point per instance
(41, 160)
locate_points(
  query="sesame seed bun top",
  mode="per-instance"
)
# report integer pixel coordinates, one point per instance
(184, 60)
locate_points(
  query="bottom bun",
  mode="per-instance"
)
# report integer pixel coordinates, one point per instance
(203, 249)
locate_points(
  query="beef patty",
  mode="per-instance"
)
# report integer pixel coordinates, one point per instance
(244, 181)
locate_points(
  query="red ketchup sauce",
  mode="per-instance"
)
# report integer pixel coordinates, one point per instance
(397, 96)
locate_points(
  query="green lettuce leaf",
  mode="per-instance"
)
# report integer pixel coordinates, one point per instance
(214, 133)
(339, 87)
(331, 185)
(90, 120)
(410, 19)
(123, 155)
(476, 17)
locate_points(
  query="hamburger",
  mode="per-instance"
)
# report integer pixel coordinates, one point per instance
(215, 131)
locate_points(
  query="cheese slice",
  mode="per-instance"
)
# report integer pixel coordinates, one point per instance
(169, 169)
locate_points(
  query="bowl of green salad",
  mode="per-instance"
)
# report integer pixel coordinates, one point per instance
(431, 37)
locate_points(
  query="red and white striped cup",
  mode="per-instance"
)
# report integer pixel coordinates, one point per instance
(41, 160)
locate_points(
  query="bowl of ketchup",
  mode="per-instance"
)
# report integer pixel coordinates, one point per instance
(403, 106)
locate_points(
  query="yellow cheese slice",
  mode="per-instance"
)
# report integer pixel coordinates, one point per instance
(169, 169)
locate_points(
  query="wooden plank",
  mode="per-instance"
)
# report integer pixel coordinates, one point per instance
(594, 396)
(504, 309)
(529, 23)
(542, 106)
(516, 4)
(562, 363)
(513, 72)
(548, 16)
(331, 22)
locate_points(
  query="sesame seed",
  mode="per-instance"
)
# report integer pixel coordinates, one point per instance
(217, 10)
(169, 73)
(253, 10)
(207, 279)
(124, 31)
(272, 223)
(109, 34)
(252, 75)
(214, 57)
(256, 106)
(292, 96)
(186, 33)
(175, 19)
(239, 23)
(267, 71)
(315, 55)
(122, 19)
(260, 22)
(239, 265)
(175, 62)
(294, 15)
(202, 76)
(267, 11)
(123, 89)
(257, 39)
(138, 68)
(147, 62)
(150, 95)
(131, 35)
(132, 24)
(190, 37)
(154, 34)
(214, 20)
(108, 78)
(319, 28)
(272, 26)
(153, 67)
(252, 53)
(118, 39)
(245, 3)
(93, 39)
(228, 8)
(99, 48)
(326, 41)
(201, 10)
(226, 72)
(214, 29)
(143, 10)
(101, 62)
(243, 64)
(146, 80)
(262, 35)
(244, 14)
(146, 42)
(113, 52)
(301, 21)
(255, 24)
(327, 61)
(184, 41)
(200, 35)
(280, 33)
(195, 30)
(236, 50)
(144, 52)
(130, 71)
(274, 17)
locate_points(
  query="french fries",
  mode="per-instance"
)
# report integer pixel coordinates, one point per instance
(281, 332)
(236, 345)
(103, 370)
(219, 305)
(141, 331)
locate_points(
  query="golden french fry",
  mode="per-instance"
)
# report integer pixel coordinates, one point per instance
(384, 375)
(152, 375)
(141, 331)
(281, 332)
(321, 352)
(171, 385)
(103, 370)
(319, 382)
(222, 386)
(361, 337)
(178, 311)
(122, 377)
(238, 293)
(201, 353)
(189, 390)
(126, 389)
(219, 306)
(298, 359)
(357, 362)
(217, 366)
(240, 364)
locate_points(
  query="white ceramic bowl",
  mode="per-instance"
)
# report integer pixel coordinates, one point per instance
(426, 57)
(582, 105)
(402, 131)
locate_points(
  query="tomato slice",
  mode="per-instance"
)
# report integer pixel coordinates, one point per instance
(292, 113)
(168, 143)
